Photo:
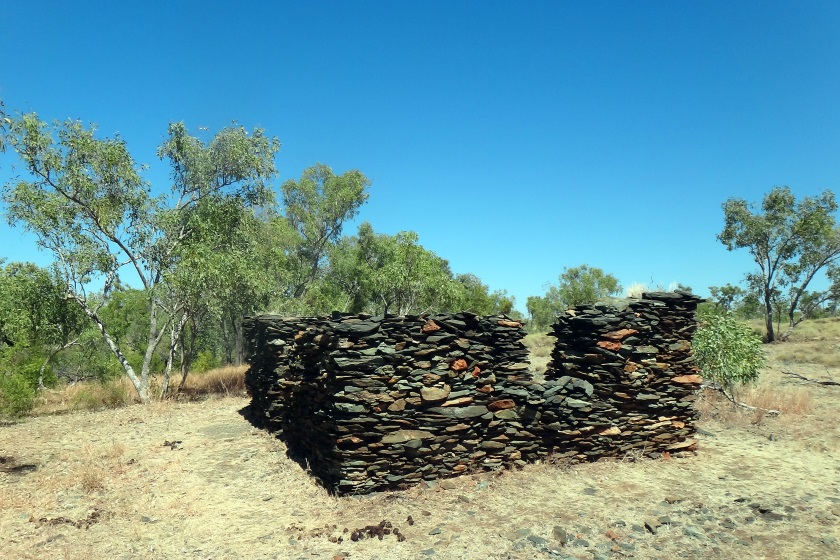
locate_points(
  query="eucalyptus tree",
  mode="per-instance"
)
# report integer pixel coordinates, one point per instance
(316, 207)
(87, 202)
(226, 267)
(35, 316)
(404, 277)
(476, 296)
(585, 284)
(381, 273)
(577, 286)
(791, 242)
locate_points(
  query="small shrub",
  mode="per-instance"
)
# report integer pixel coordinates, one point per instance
(205, 361)
(95, 396)
(91, 479)
(728, 352)
(17, 395)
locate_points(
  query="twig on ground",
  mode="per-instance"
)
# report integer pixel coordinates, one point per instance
(736, 402)
(809, 380)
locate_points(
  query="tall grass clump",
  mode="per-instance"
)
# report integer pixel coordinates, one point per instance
(226, 380)
(635, 290)
(101, 395)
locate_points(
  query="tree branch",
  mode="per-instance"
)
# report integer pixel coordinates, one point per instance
(809, 380)
(745, 406)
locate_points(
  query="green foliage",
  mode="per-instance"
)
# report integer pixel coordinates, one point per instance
(316, 207)
(17, 395)
(199, 258)
(126, 315)
(726, 297)
(407, 278)
(19, 371)
(475, 296)
(577, 286)
(791, 242)
(542, 312)
(394, 274)
(728, 352)
(205, 361)
(34, 309)
(87, 203)
(584, 285)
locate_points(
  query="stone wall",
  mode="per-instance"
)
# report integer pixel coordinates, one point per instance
(373, 403)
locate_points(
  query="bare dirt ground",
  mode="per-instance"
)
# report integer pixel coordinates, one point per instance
(195, 480)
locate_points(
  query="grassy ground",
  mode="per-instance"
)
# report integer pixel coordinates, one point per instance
(224, 381)
(540, 346)
(192, 479)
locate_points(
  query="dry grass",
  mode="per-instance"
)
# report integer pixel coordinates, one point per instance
(823, 353)
(93, 395)
(809, 330)
(227, 381)
(194, 480)
(817, 329)
(85, 395)
(540, 346)
(792, 402)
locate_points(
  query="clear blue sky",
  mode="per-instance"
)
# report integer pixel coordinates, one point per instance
(515, 138)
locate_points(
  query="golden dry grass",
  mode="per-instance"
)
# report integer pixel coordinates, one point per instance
(85, 395)
(226, 381)
(194, 480)
(93, 395)
(819, 352)
(540, 346)
(817, 329)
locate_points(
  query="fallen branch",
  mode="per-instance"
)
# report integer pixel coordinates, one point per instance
(809, 380)
(736, 402)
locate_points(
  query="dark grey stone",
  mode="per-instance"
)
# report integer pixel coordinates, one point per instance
(356, 327)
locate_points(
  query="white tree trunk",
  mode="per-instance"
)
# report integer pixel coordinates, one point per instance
(140, 384)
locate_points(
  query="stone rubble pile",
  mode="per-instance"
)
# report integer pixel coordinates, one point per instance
(372, 403)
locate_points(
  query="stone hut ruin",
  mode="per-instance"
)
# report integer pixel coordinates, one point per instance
(376, 403)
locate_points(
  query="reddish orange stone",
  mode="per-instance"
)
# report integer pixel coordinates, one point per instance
(430, 326)
(609, 345)
(688, 379)
(502, 404)
(619, 334)
(459, 365)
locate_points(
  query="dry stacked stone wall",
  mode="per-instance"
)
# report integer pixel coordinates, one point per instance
(375, 403)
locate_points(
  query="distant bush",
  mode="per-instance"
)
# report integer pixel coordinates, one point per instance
(17, 395)
(205, 361)
(99, 395)
(727, 351)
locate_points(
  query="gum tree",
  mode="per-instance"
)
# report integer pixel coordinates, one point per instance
(316, 207)
(578, 285)
(791, 242)
(87, 203)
